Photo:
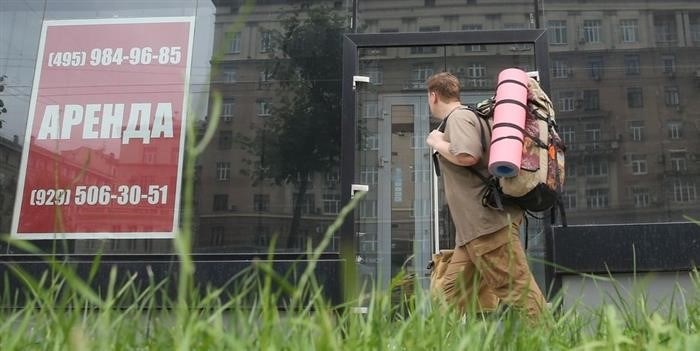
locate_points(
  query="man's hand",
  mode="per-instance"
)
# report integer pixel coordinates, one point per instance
(434, 138)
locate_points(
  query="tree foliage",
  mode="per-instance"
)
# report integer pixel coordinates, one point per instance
(302, 136)
(3, 109)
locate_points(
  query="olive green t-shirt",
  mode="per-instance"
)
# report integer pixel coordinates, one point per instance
(463, 190)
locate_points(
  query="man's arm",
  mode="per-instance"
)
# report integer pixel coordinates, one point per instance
(437, 141)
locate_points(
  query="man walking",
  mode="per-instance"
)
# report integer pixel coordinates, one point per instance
(488, 256)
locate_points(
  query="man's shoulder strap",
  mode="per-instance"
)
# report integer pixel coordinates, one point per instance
(443, 124)
(479, 116)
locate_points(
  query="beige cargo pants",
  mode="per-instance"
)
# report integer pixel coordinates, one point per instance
(494, 266)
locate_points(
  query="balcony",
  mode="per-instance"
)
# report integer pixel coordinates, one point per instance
(603, 147)
(415, 85)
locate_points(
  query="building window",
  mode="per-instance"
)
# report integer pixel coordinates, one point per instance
(592, 133)
(630, 30)
(368, 209)
(678, 159)
(668, 64)
(225, 140)
(369, 176)
(223, 171)
(262, 236)
(227, 110)
(419, 74)
(636, 130)
(568, 135)
(264, 77)
(684, 191)
(569, 199)
(220, 202)
(596, 166)
(331, 203)
(695, 27)
(476, 70)
(376, 75)
(307, 205)
(229, 75)
(665, 29)
(597, 198)
(632, 65)
(309, 180)
(473, 48)
(264, 108)
(371, 109)
(371, 141)
(641, 197)
(639, 164)
(635, 98)
(217, 236)
(566, 101)
(557, 32)
(671, 96)
(261, 202)
(333, 176)
(595, 68)
(674, 130)
(591, 100)
(234, 42)
(265, 41)
(591, 31)
(570, 169)
(560, 69)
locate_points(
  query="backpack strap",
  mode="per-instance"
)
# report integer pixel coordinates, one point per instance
(491, 191)
(562, 212)
(441, 129)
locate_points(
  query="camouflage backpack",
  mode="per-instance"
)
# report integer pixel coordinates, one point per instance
(540, 181)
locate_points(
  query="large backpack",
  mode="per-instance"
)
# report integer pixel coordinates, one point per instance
(540, 181)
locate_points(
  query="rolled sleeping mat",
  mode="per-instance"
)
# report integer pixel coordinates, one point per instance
(508, 122)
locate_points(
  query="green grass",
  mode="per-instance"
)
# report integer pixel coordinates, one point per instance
(62, 312)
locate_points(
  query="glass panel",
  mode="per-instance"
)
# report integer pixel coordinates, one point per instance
(394, 221)
(247, 189)
(632, 99)
(95, 86)
(282, 107)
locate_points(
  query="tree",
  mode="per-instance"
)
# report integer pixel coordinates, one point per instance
(2, 103)
(301, 137)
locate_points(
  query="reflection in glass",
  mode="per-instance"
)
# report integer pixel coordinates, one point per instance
(273, 175)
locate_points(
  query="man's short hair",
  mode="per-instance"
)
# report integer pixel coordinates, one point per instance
(445, 85)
